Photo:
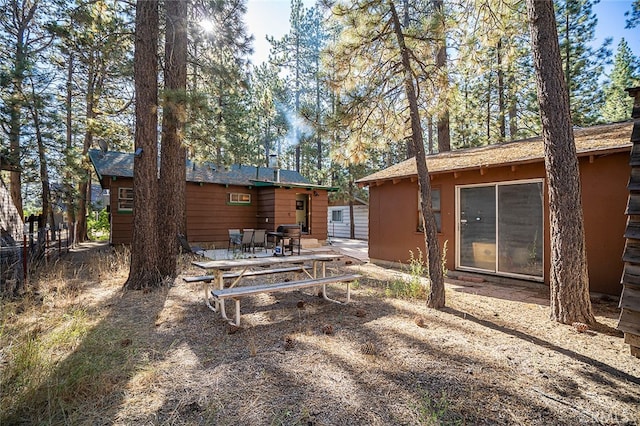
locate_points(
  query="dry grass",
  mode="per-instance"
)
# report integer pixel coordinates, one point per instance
(79, 351)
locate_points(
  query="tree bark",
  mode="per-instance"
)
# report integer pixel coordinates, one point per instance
(144, 271)
(47, 211)
(436, 297)
(444, 133)
(71, 205)
(569, 278)
(501, 107)
(171, 200)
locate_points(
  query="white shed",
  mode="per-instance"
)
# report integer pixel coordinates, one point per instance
(339, 220)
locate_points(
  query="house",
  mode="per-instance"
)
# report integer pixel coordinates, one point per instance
(492, 208)
(11, 223)
(339, 219)
(218, 199)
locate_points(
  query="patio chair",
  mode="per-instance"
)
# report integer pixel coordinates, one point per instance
(247, 240)
(259, 239)
(186, 248)
(235, 239)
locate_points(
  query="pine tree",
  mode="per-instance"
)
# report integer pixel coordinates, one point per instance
(171, 209)
(583, 65)
(569, 280)
(144, 272)
(22, 38)
(624, 74)
(298, 55)
(634, 15)
(378, 68)
(218, 56)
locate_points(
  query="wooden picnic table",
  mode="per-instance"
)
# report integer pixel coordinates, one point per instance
(218, 268)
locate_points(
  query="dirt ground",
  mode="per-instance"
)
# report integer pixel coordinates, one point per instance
(490, 357)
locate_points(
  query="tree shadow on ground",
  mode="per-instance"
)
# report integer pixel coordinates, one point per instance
(601, 366)
(89, 385)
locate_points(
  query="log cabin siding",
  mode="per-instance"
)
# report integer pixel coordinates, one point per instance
(210, 215)
(121, 222)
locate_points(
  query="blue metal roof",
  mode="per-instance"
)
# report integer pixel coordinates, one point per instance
(120, 164)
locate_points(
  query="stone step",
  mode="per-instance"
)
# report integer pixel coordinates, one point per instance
(310, 243)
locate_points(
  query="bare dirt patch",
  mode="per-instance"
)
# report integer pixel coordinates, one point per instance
(490, 357)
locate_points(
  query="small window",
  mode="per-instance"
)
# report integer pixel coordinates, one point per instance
(435, 206)
(239, 198)
(125, 199)
(336, 215)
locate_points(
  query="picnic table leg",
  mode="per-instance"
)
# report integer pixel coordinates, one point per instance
(327, 298)
(218, 279)
(237, 323)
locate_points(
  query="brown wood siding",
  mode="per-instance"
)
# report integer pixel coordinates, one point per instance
(393, 214)
(121, 222)
(284, 202)
(209, 215)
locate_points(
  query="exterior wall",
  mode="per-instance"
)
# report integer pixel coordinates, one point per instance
(209, 215)
(121, 222)
(10, 220)
(343, 229)
(285, 210)
(392, 230)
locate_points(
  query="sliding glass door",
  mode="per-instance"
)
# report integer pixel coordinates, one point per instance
(478, 227)
(500, 228)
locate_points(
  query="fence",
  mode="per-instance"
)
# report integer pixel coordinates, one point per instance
(18, 259)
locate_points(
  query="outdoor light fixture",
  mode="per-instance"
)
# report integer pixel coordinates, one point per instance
(138, 152)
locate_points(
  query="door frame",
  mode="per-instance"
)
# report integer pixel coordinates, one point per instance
(497, 271)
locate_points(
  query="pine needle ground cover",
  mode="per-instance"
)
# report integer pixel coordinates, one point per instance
(80, 351)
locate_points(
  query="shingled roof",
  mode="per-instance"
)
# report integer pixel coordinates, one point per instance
(120, 164)
(593, 140)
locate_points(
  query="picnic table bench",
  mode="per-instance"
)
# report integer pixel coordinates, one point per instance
(236, 293)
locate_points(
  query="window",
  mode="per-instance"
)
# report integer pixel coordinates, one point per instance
(435, 207)
(336, 216)
(239, 198)
(125, 199)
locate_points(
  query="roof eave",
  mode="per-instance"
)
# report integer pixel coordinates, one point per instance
(585, 153)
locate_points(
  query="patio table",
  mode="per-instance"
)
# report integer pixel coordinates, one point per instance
(218, 267)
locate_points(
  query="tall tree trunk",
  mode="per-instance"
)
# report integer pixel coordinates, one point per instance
(318, 137)
(429, 134)
(47, 211)
(406, 17)
(15, 119)
(444, 134)
(171, 191)
(567, 52)
(298, 140)
(352, 224)
(513, 107)
(69, 199)
(487, 118)
(84, 187)
(501, 108)
(436, 298)
(569, 278)
(144, 272)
